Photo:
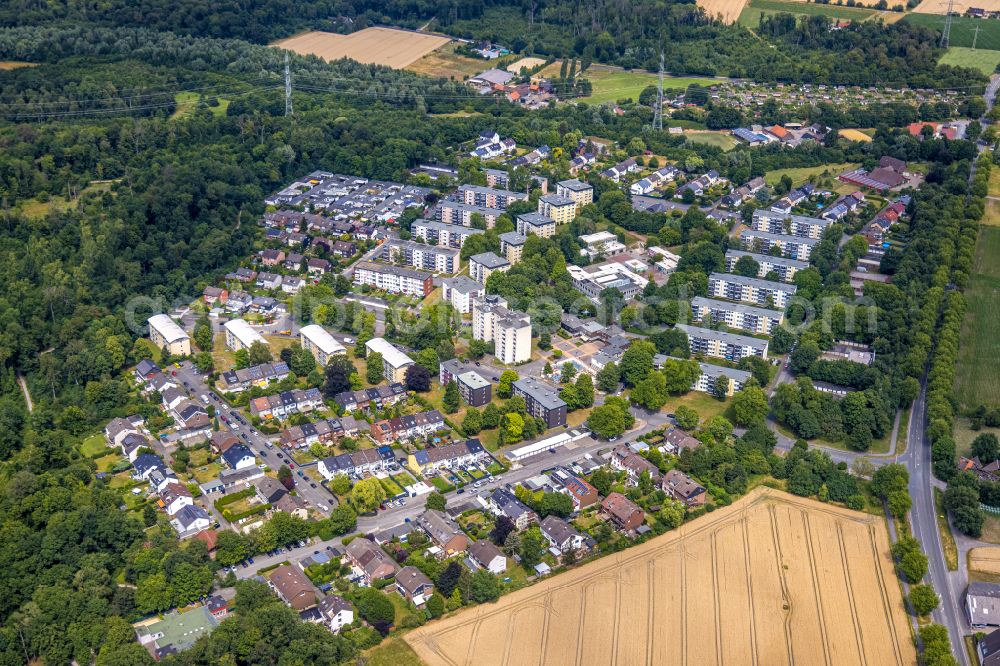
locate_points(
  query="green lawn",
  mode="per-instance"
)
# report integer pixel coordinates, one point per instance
(979, 348)
(750, 17)
(962, 29)
(723, 140)
(187, 102)
(611, 85)
(984, 60)
(93, 445)
(704, 404)
(393, 652)
(442, 485)
(802, 174)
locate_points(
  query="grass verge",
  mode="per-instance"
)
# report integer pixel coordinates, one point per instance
(947, 538)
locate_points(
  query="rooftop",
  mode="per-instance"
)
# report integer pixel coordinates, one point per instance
(544, 394)
(489, 260)
(724, 336)
(390, 354)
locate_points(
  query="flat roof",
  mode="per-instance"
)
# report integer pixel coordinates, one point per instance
(414, 246)
(473, 379)
(492, 190)
(723, 336)
(753, 282)
(513, 238)
(575, 184)
(699, 301)
(391, 270)
(544, 394)
(450, 228)
(799, 219)
(784, 238)
(536, 219)
(463, 284)
(390, 354)
(489, 260)
(167, 327)
(761, 258)
(244, 332)
(556, 200)
(320, 337)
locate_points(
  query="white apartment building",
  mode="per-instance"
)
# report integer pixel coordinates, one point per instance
(721, 344)
(792, 225)
(394, 362)
(509, 331)
(793, 247)
(393, 279)
(481, 266)
(736, 315)
(784, 267)
(441, 234)
(317, 341)
(461, 291)
(418, 255)
(240, 335)
(601, 244)
(750, 290)
(165, 332)
(459, 212)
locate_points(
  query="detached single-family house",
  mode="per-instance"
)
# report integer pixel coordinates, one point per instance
(683, 488)
(502, 502)
(292, 587)
(337, 612)
(239, 457)
(623, 512)
(443, 531)
(562, 535)
(175, 497)
(370, 561)
(190, 520)
(414, 585)
(484, 554)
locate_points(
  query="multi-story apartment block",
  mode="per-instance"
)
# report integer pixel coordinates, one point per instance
(721, 344)
(560, 209)
(165, 332)
(500, 180)
(317, 341)
(476, 195)
(481, 266)
(460, 291)
(785, 268)
(791, 225)
(581, 193)
(793, 247)
(711, 373)
(473, 386)
(537, 224)
(418, 255)
(736, 315)
(509, 331)
(444, 235)
(394, 361)
(542, 400)
(460, 213)
(512, 246)
(394, 279)
(750, 290)
(240, 335)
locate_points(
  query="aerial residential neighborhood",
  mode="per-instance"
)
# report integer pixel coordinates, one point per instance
(499, 333)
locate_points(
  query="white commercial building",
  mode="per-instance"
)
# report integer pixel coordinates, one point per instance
(240, 335)
(165, 332)
(509, 331)
(394, 362)
(601, 244)
(317, 340)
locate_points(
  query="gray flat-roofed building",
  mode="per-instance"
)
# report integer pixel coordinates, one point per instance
(459, 212)
(444, 235)
(482, 265)
(542, 400)
(722, 344)
(785, 268)
(785, 223)
(749, 289)
(793, 247)
(737, 315)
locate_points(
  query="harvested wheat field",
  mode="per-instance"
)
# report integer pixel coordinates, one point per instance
(524, 63)
(772, 579)
(854, 135)
(377, 46)
(985, 560)
(728, 10)
(939, 7)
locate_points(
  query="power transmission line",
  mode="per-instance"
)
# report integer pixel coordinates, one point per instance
(288, 87)
(946, 35)
(658, 111)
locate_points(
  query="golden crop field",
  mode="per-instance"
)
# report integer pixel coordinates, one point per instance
(854, 135)
(524, 63)
(985, 560)
(377, 46)
(729, 10)
(772, 579)
(938, 7)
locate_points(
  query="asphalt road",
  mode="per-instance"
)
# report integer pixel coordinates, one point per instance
(415, 506)
(318, 497)
(923, 518)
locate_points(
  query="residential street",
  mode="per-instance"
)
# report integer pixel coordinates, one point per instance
(317, 496)
(519, 472)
